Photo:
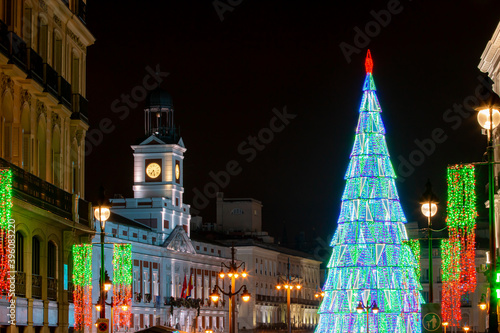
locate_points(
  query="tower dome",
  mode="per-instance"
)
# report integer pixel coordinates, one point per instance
(159, 116)
(159, 98)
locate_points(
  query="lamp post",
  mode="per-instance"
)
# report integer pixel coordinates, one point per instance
(102, 214)
(445, 324)
(99, 308)
(233, 273)
(288, 283)
(361, 307)
(489, 118)
(429, 203)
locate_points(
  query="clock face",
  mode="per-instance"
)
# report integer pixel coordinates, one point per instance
(177, 171)
(153, 170)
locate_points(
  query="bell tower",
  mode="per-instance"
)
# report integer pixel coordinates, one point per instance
(158, 158)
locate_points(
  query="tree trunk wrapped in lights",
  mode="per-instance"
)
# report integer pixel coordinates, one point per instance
(82, 280)
(371, 261)
(458, 252)
(122, 284)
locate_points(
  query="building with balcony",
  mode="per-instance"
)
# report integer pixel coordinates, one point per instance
(267, 307)
(43, 122)
(156, 221)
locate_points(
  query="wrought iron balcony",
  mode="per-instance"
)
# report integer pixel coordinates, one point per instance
(38, 192)
(52, 289)
(80, 108)
(51, 80)
(21, 284)
(81, 11)
(36, 286)
(65, 95)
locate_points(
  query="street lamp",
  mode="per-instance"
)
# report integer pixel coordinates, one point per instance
(233, 273)
(288, 282)
(489, 118)
(482, 303)
(319, 293)
(102, 214)
(361, 307)
(100, 306)
(445, 324)
(466, 328)
(429, 202)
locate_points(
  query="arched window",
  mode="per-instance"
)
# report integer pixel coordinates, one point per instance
(19, 252)
(35, 251)
(42, 149)
(51, 271)
(8, 118)
(56, 157)
(26, 133)
(51, 260)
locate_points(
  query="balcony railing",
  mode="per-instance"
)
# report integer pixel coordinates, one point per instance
(36, 286)
(71, 289)
(21, 284)
(51, 80)
(52, 289)
(81, 11)
(80, 108)
(65, 92)
(282, 299)
(40, 193)
(28, 60)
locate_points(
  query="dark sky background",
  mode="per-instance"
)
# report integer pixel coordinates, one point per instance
(227, 76)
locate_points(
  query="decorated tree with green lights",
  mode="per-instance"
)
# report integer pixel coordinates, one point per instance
(373, 262)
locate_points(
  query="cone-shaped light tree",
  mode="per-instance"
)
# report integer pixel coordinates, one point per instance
(372, 261)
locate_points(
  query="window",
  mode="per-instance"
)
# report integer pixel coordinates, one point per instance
(155, 284)
(146, 282)
(19, 252)
(237, 211)
(27, 25)
(51, 260)
(137, 282)
(125, 232)
(75, 74)
(57, 53)
(166, 224)
(144, 237)
(42, 39)
(134, 235)
(35, 250)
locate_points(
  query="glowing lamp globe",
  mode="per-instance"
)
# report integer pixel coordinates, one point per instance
(125, 308)
(466, 328)
(244, 274)
(102, 214)
(298, 286)
(360, 307)
(375, 308)
(214, 297)
(429, 212)
(246, 295)
(483, 118)
(482, 305)
(221, 274)
(278, 287)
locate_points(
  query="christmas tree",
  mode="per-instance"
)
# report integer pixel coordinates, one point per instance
(373, 263)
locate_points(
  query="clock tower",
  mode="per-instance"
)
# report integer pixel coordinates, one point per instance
(158, 158)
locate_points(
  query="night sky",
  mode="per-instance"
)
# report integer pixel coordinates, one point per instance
(229, 78)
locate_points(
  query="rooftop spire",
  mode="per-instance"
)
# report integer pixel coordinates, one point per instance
(369, 62)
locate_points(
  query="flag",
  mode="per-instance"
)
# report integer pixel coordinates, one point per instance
(184, 287)
(190, 287)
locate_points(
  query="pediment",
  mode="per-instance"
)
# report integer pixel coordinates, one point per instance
(179, 241)
(152, 140)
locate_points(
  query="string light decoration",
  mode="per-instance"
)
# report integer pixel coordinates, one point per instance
(5, 223)
(82, 281)
(372, 259)
(122, 284)
(414, 245)
(458, 252)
